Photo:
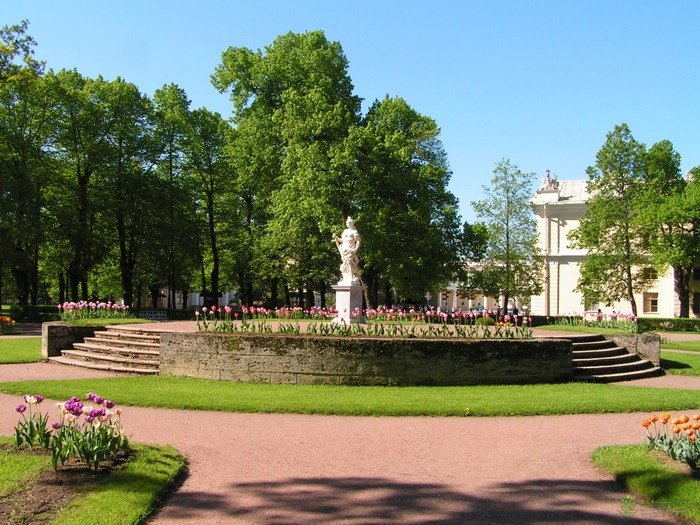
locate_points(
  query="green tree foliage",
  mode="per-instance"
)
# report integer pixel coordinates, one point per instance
(617, 255)
(668, 211)
(403, 203)
(472, 243)
(512, 266)
(25, 165)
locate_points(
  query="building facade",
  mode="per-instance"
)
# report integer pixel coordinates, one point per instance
(559, 207)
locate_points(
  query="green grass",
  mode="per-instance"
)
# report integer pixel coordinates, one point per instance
(20, 350)
(498, 400)
(582, 329)
(681, 364)
(18, 468)
(644, 473)
(127, 495)
(688, 346)
(130, 494)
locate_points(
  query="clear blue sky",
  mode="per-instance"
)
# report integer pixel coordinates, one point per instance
(538, 82)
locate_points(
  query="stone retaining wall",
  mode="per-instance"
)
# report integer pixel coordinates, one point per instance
(363, 361)
(57, 336)
(645, 345)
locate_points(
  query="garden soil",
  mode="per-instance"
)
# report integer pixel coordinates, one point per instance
(280, 469)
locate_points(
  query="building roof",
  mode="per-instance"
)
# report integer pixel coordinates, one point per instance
(573, 190)
(561, 191)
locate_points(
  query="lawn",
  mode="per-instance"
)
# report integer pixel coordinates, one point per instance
(20, 350)
(497, 400)
(660, 483)
(583, 329)
(688, 346)
(680, 363)
(127, 494)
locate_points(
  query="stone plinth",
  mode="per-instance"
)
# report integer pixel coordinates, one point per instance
(57, 336)
(348, 298)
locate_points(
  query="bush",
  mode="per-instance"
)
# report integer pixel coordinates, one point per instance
(29, 313)
(485, 321)
(648, 324)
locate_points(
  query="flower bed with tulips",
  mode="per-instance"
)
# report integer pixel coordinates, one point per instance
(90, 433)
(72, 311)
(678, 438)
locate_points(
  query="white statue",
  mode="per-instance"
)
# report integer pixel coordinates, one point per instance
(549, 182)
(348, 243)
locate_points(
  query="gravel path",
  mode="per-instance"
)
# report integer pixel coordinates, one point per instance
(280, 469)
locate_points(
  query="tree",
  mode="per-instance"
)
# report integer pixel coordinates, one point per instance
(668, 211)
(472, 243)
(25, 164)
(405, 213)
(207, 168)
(617, 256)
(512, 266)
(296, 100)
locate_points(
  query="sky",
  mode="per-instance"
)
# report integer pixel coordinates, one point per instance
(540, 83)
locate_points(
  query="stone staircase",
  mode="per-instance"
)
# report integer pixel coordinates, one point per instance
(116, 349)
(599, 360)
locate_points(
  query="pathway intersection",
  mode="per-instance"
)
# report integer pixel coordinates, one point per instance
(287, 468)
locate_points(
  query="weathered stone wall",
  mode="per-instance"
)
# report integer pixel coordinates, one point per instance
(645, 345)
(57, 336)
(363, 361)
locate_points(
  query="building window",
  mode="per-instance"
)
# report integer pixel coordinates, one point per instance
(650, 274)
(651, 302)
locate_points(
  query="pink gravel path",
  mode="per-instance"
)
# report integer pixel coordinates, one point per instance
(275, 469)
(279, 469)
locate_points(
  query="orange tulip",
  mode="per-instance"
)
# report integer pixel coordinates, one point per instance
(693, 437)
(695, 426)
(685, 419)
(665, 417)
(675, 429)
(696, 417)
(654, 418)
(646, 423)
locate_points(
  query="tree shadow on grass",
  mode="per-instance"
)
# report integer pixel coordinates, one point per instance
(380, 500)
(670, 364)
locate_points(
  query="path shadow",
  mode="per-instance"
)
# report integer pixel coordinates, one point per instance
(380, 500)
(670, 364)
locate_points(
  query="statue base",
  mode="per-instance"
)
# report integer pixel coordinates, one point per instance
(348, 299)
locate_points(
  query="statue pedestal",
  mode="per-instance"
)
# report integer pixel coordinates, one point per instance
(348, 298)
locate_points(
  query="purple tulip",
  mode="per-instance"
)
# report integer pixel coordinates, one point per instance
(89, 419)
(56, 425)
(21, 408)
(39, 398)
(98, 400)
(109, 404)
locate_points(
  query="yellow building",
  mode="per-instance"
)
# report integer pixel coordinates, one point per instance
(559, 206)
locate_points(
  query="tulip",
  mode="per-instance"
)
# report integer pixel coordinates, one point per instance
(21, 408)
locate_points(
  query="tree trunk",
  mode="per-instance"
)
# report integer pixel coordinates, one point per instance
(681, 284)
(287, 296)
(61, 288)
(272, 303)
(322, 292)
(300, 295)
(310, 299)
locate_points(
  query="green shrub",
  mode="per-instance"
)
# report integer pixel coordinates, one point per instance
(485, 321)
(648, 324)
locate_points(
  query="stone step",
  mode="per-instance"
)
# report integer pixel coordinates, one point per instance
(607, 360)
(128, 336)
(641, 364)
(118, 342)
(117, 350)
(593, 345)
(603, 352)
(624, 376)
(101, 366)
(127, 362)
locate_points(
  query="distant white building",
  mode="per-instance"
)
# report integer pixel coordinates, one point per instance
(559, 206)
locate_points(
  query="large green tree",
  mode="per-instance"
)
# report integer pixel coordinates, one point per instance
(406, 214)
(668, 211)
(25, 163)
(618, 259)
(512, 266)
